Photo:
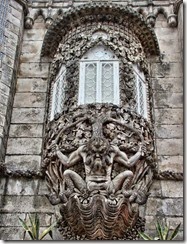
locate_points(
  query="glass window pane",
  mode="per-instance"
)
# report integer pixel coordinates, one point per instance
(107, 82)
(90, 82)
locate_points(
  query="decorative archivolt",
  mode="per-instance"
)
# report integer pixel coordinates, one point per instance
(112, 14)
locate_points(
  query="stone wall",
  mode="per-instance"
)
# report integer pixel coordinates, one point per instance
(20, 196)
(166, 200)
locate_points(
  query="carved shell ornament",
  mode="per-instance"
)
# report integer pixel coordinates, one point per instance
(99, 169)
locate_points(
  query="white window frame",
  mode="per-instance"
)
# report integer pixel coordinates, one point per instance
(57, 94)
(116, 97)
(141, 81)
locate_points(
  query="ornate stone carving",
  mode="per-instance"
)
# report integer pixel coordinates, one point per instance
(99, 167)
(100, 13)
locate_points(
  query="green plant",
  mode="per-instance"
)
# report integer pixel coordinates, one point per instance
(33, 227)
(162, 232)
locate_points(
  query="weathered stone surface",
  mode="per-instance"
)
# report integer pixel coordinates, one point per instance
(165, 207)
(174, 221)
(26, 204)
(34, 35)
(168, 84)
(33, 100)
(28, 115)
(2, 120)
(153, 206)
(26, 130)
(172, 188)
(3, 109)
(171, 147)
(31, 51)
(11, 219)
(171, 162)
(31, 85)
(155, 189)
(168, 116)
(30, 70)
(24, 146)
(12, 233)
(22, 187)
(169, 131)
(173, 207)
(23, 162)
(168, 100)
(4, 89)
(173, 70)
(13, 19)
(42, 188)
(2, 185)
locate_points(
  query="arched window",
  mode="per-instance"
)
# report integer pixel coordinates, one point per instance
(99, 77)
(141, 92)
(58, 93)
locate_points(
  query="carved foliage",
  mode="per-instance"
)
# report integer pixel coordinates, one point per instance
(99, 167)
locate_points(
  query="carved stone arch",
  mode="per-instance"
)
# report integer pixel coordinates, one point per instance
(70, 54)
(100, 12)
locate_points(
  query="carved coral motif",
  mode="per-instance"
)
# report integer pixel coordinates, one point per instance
(99, 167)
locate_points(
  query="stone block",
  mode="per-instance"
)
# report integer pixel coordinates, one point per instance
(166, 33)
(168, 45)
(168, 100)
(155, 189)
(11, 219)
(34, 34)
(170, 70)
(2, 186)
(16, 5)
(26, 130)
(26, 204)
(2, 120)
(22, 186)
(168, 116)
(13, 20)
(30, 70)
(3, 99)
(164, 207)
(12, 233)
(4, 89)
(23, 162)
(172, 163)
(16, 12)
(43, 189)
(172, 222)
(31, 85)
(24, 146)
(172, 188)
(28, 115)
(13, 27)
(169, 131)
(173, 207)
(26, 100)
(31, 51)
(3, 109)
(153, 206)
(168, 84)
(172, 147)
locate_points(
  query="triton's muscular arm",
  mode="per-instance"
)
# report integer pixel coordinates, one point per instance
(74, 158)
(121, 157)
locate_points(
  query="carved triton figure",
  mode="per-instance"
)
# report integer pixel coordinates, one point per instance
(98, 158)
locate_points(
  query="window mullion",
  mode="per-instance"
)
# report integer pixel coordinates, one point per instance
(53, 101)
(81, 98)
(116, 82)
(99, 82)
